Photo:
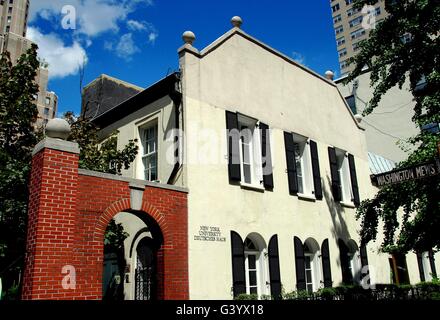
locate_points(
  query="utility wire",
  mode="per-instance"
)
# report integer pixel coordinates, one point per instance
(381, 131)
(388, 112)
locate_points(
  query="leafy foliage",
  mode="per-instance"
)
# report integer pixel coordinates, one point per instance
(393, 60)
(114, 237)
(17, 138)
(97, 156)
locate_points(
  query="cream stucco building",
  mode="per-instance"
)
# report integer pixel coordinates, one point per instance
(390, 124)
(275, 163)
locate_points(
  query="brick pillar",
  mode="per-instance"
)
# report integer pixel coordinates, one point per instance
(52, 211)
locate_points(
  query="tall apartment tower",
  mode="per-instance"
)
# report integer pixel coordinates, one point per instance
(13, 26)
(347, 22)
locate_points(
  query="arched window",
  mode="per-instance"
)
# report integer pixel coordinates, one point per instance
(312, 265)
(255, 265)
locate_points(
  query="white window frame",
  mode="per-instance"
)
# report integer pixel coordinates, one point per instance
(342, 52)
(139, 131)
(312, 271)
(305, 172)
(149, 154)
(261, 268)
(355, 22)
(316, 272)
(255, 161)
(256, 254)
(340, 41)
(344, 176)
(339, 29)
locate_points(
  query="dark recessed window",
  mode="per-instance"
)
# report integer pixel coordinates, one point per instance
(351, 101)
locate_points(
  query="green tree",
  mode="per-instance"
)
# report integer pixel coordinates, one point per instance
(405, 47)
(98, 155)
(17, 138)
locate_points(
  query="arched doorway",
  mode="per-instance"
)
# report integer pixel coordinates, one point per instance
(145, 280)
(131, 245)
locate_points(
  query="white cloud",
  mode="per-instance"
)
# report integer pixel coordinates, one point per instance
(152, 37)
(136, 25)
(298, 57)
(93, 16)
(143, 26)
(126, 47)
(63, 60)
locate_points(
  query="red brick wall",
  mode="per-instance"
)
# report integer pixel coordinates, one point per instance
(68, 215)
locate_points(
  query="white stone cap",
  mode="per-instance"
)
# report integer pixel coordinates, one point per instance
(189, 37)
(56, 144)
(329, 74)
(236, 21)
(58, 129)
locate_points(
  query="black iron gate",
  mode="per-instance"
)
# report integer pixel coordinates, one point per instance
(145, 273)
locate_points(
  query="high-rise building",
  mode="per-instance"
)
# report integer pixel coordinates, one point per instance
(350, 29)
(390, 124)
(13, 25)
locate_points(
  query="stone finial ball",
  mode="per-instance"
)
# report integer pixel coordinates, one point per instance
(188, 37)
(329, 75)
(236, 21)
(57, 128)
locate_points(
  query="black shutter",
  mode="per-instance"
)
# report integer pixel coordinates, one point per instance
(238, 270)
(274, 268)
(336, 180)
(364, 260)
(233, 146)
(266, 156)
(299, 264)
(432, 263)
(421, 270)
(347, 277)
(315, 169)
(326, 268)
(364, 256)
(354, 181)
(291, 164)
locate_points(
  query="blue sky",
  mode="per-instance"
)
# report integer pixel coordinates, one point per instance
(137, 40)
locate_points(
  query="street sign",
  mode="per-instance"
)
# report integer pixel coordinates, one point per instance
(406, 174)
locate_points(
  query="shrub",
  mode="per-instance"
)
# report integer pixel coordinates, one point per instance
(327, 293)
(245, 296)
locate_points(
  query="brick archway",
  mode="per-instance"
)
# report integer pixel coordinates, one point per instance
(69, 210)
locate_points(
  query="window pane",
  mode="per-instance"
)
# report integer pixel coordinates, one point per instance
(246, 134)
(309, 275)
(310, 288)
(247, 173)
(253, 290)
(246, 153)
(253, 278)
(153, 174)
(299, 167)
(252, 261)
(307, 262)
